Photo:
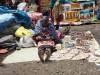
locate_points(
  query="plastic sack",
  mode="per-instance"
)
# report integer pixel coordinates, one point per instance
(21, 31)
(26, 42)
(22, 6)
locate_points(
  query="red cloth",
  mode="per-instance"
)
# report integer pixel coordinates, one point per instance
(2, 51)
(59, 35)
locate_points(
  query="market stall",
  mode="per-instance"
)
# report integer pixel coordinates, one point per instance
(71, 14)
(87, 12)
(84, 47)
(74, 12)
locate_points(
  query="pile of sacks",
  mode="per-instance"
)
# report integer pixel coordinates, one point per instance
(15, 25)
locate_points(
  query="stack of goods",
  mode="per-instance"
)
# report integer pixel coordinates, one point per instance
(7, 43)
(76, 46)
(82, 40)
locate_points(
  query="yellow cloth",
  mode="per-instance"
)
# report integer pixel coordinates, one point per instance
(20, 32)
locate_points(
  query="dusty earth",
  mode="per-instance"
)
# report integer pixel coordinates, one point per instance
(66, 67)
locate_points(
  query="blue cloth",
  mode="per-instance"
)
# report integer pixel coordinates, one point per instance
(23, 18)
(38, 29)
(86, 12)
(7, 16)
(4, 9)
(5, 20)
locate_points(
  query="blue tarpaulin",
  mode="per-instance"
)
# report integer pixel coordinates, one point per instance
(4, 9)
(8, 16)
(5, 20)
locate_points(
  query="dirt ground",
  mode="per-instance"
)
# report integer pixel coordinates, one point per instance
(66, 67)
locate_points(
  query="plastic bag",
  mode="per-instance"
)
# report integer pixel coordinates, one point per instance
(27, 42)
(21, 31)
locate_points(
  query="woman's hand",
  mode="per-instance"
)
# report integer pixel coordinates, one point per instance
(38, 37)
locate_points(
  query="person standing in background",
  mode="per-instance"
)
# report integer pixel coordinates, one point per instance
(97, 11)
(38, 3)
(23, 6)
